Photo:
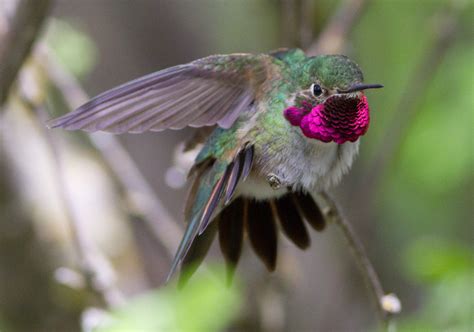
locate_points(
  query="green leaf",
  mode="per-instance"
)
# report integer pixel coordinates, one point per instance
(204, 304)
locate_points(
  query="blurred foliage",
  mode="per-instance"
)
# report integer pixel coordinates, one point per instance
(448, 123)
(205, 304)
(446, 269)
(432, 260)
(257, 22)
(74, 49)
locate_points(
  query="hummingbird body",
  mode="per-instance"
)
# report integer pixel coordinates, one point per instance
(282, 150)
(285, 126)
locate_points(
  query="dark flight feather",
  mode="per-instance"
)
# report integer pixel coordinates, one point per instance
(262, 232)
(231, 233)
(207, 192)
(205, 92)
(225, 187)
(309, 210)
(241, 167)
(248, 160)
(196, 254)
(291, 221)
(234, 178)
(196, 173)
(214, 199)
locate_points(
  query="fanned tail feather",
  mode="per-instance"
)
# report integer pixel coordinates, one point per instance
(231, 233)
(262, 232)
(258, 219)
(291, 221)
(309, 210)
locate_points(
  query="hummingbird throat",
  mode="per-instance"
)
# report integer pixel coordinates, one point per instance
(339, 119)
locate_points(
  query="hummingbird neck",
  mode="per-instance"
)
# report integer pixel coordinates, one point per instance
(338, 119)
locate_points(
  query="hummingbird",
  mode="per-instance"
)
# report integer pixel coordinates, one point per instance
(274, 130)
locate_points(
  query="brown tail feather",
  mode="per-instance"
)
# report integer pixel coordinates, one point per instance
(231, 233)
(262, 232)
(258, 218)
(196, 254)
(291, 221)
(309, 210)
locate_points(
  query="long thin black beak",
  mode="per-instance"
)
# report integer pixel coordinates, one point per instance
(360, 87)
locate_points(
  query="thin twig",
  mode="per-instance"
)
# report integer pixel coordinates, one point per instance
(334, 214)
(16, 45)
(96, 269)
(306, 23)
(289, 22)
(332, 39)
(141, 197)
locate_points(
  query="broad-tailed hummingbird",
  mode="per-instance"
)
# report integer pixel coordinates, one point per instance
(279, 128)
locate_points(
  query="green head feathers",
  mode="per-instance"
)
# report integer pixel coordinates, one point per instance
(332, 71)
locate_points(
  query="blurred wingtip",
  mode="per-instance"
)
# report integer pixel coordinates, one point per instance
(172, 271)
(51, 124)
(59, 122)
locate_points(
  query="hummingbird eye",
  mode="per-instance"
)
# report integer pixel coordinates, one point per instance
(316, 90)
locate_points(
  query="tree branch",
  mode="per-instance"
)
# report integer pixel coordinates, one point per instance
(288, 19)
(387, 304)
(332, 39)
(306, 23)
(19, 38)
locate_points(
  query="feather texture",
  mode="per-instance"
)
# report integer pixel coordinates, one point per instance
(226, 185)
(205, 92)
(211, 184)
(309, 210)
(248, 160)
(234, 178)
(214, 199)
(231, 233)
(240, 170)
(291, 221)
(262, 232)
(196, 253)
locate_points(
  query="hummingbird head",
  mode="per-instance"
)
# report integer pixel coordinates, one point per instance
(330, 104)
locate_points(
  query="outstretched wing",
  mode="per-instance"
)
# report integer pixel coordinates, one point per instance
(208, 91)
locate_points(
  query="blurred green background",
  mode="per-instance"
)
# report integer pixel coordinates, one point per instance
(409, 195)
